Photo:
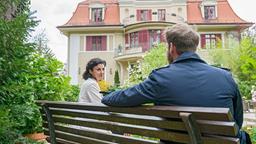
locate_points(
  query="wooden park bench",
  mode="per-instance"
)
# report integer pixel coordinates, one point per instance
(74, 123)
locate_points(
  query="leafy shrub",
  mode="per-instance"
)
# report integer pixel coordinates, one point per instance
(26, 118)
(153, 59)
(27, 73)
(7, 135)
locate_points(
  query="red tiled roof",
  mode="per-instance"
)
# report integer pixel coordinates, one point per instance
(81, 14)
(225, 14)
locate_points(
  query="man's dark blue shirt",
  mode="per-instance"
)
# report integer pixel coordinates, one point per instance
(188, 81)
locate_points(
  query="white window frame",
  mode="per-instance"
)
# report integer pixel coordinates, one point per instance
(97, 5)
(209, 33)
(209, 3)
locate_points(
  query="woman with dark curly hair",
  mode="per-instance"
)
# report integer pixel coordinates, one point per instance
(90, 90)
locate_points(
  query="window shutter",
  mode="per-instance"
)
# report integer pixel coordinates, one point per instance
(203, 41)
(149, 15)
(144, 39)
(104, 43)
(138, 15)
(88, 43)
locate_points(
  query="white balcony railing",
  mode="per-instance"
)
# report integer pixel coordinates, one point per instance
(168, 18)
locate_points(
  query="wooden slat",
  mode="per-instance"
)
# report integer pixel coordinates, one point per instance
(157, 123)
(223, 114)
(218, 127)
(79, 139)
(209, 127)
(61, 141)
(220, 140)
(143, 131)
(104, 136)
(222, 124)
(206, 139)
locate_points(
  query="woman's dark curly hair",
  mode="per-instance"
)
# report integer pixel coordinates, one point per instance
(90, 65)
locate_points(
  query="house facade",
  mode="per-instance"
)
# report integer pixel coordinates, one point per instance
(121, 31)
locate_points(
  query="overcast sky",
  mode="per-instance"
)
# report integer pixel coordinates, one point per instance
(53, 13)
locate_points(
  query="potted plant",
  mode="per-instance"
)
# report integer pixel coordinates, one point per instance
(27, 120)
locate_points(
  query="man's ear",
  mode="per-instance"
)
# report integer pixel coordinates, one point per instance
(173, 48)
(174, 51)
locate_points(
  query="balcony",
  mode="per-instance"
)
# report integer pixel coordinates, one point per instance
(173, 18)
(128, 50)
(132, 52)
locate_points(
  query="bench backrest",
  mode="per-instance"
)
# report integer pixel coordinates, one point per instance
(67, 122)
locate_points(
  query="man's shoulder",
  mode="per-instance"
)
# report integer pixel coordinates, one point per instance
(161, 68)
(222, 69)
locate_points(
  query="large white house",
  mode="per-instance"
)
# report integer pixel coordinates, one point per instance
(121, 31)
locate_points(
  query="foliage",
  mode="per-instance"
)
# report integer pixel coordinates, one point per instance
(253, 135)
(116, 79)
(8, 134)
(248, 59)
(47, 80)
(28, 71)
(252, 132)
(26, 118)
(153, 59)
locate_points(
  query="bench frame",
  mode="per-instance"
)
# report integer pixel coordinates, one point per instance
(188, 116)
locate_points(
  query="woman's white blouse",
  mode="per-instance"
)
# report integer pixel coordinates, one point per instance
(90, 92)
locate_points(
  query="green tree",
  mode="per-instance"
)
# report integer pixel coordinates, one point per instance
(116, 79)
(28, 72)
(154, 58)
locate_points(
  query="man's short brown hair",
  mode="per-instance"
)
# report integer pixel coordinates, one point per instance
(183, 37)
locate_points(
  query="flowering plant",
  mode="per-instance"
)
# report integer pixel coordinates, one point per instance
(104, 85)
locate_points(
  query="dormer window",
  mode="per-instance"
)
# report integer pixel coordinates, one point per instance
(209, 9)
(97, 12)
(96, 15)
(209, 12)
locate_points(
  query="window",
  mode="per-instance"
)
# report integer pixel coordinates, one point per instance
(134, 40)
(209, 41)
(154, 37)
(161, 15)
(209, 12)
(96, 43)
(144, 15)
(96, 15)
